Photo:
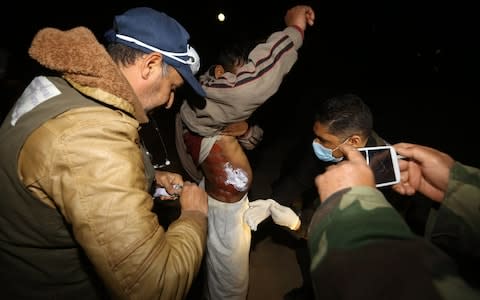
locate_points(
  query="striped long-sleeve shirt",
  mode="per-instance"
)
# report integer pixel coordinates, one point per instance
(234, 97)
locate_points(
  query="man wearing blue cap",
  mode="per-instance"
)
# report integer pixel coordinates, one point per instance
(76, 218)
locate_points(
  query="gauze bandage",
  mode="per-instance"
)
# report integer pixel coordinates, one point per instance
(237, 177)
(261, 209)
(161, 191)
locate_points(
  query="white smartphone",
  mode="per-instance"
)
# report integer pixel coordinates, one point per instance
(383, 161)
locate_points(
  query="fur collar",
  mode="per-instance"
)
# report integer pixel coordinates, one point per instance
(84, 62)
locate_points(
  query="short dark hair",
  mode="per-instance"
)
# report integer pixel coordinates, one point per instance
(122, 54)
(234, 53)
(345, 115)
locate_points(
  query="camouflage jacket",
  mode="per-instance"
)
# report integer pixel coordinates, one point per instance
(361, 247)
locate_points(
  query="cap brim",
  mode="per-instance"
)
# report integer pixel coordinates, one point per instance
(187, 75)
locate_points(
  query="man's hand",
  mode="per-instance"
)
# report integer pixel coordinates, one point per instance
(426, 170)
(260, 209)
(352, 171)
(251, 138)
(193, 198)
(284, 216)
(169, 185)
(300, 16)
(236, 129)
(257, 211)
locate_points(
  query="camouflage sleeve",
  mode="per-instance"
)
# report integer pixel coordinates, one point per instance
(352, 218)
(361, 247)
(455, 224)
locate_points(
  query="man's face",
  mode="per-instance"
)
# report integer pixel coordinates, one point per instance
(324, 137)
(166, 87)
(159, 87)
(332, 141)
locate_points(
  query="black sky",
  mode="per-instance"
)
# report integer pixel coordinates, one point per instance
(416, 63)
(350, 40)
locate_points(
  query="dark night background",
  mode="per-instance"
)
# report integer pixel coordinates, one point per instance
(414, 62)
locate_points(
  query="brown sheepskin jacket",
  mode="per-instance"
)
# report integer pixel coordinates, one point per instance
(88, 166)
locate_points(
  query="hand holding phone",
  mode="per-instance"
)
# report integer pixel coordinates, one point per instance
(383, 161)
(352, 171)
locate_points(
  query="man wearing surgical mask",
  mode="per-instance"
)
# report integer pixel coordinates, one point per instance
(343, 119)
(323, 153)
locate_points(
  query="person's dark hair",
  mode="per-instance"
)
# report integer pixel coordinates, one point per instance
(122, 54)
(345, 115)
(234, 53)
(126, 56)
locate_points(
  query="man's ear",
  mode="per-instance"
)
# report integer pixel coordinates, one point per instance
(150, 63)
(357, 141)
(219, 71)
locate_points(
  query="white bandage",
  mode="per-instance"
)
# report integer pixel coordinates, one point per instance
(161, 191)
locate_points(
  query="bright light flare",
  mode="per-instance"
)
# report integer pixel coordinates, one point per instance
(221, 17)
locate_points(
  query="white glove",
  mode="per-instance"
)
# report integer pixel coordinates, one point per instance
(250, 139)
(284, 216)
(257, 211)
(261, 209)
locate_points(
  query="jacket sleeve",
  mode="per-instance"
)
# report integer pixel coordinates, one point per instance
(361, 246)
(455, 224)
(96, 179)
(234, 97)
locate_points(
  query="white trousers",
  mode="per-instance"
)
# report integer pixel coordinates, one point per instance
(228, 250)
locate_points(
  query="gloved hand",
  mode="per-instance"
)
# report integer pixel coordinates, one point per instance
(250, 139)
(257, 211)
(261, 209)
(285, 216)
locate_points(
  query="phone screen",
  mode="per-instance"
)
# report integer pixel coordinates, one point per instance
(384, 164)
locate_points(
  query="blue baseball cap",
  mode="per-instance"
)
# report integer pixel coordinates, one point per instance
(148, 30)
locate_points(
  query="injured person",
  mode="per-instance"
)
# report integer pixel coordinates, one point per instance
(227, 177)
(243, 79)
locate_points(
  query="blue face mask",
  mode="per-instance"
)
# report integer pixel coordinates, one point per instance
(325, 154)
